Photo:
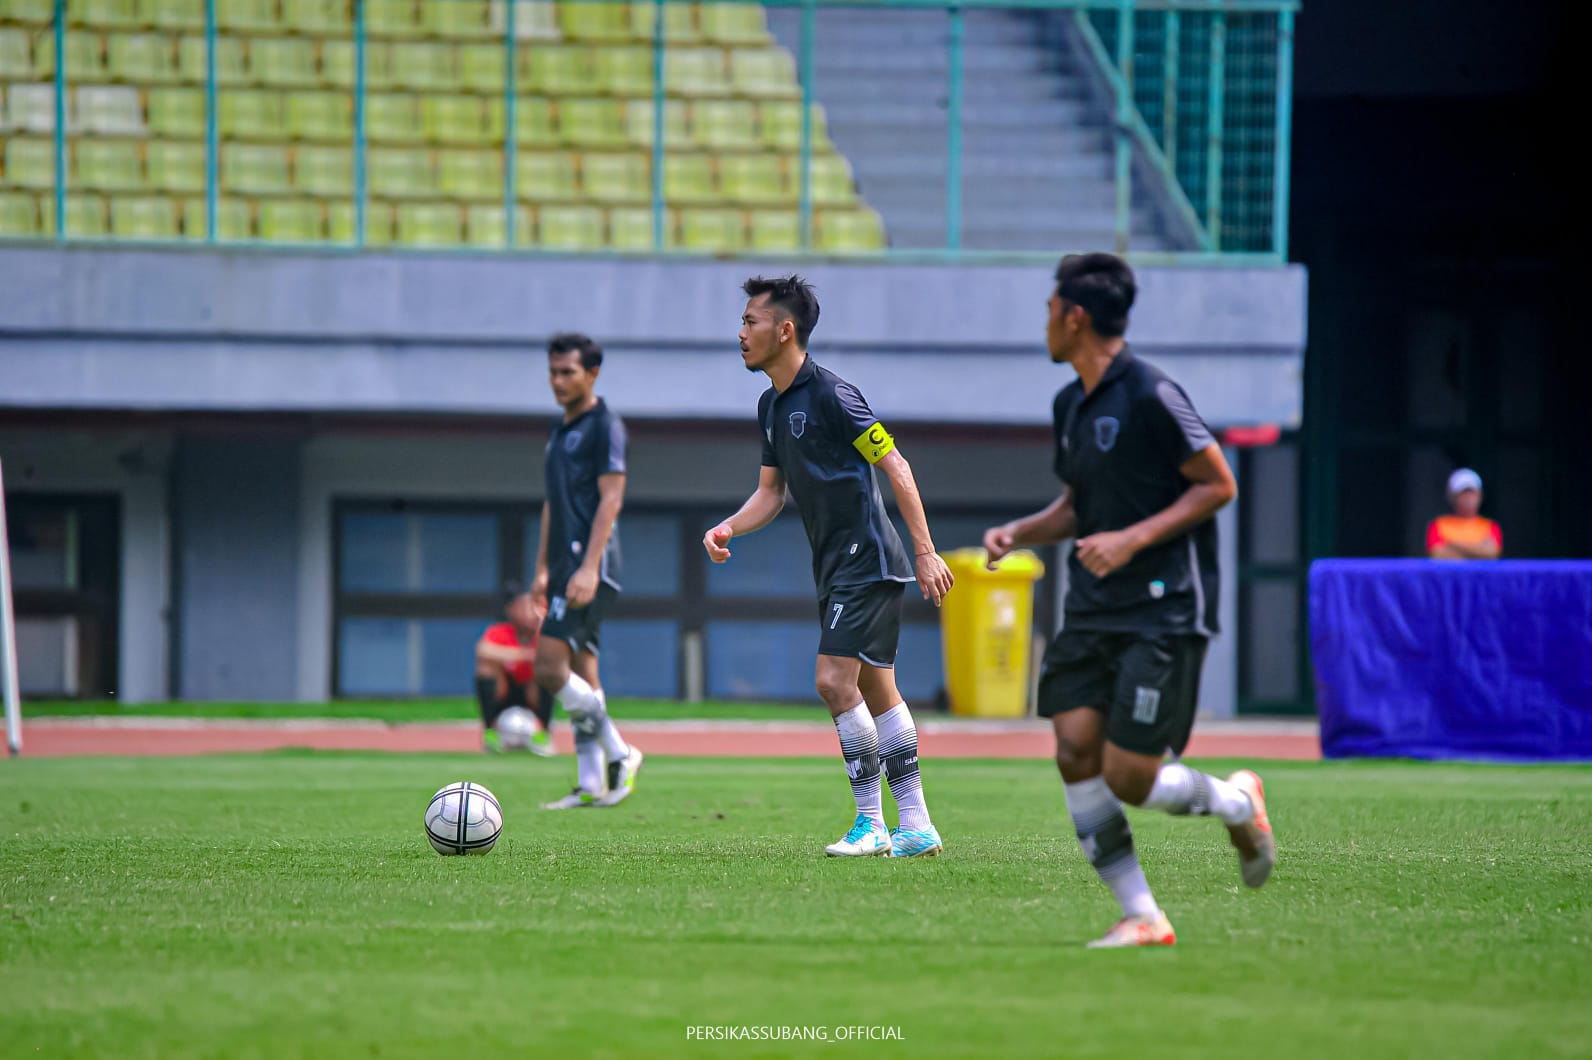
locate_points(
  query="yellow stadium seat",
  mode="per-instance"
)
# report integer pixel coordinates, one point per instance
(285, 61)
(234, 219)
(640, 116)
(723, 123)
(849, 230)
(630, 228)
(176, 14)
(144, 217)
(31, 108)
(595, 20)
(616, 177)
(689, 178)
(16, 54)
(108, 14)
(327, 171)
(290, 221)
(766, 73)
(456, 18)
(832, 181)
(246, 15)
(592, 122)
(19, 216)
(140, 58)
(393, 119)
(322, 18)
(533, 19)
(733, 23)
(533, 121)
(481, 67)
(545, 176)
(108, 165)
(431, 224)
(453, 119)
(112, 110)
(175, 165)
(782, 126)
(625, 71)
(85, 56)
(776, 230)
(569, 227)
(401, 172)
(254, 168)
(487, 226)
(393, 18)
(378, 222)
(560, 71)
(337, 64)
(718, 230)
(755, 178)
(85, 215)
(230, 69)
(471, 174)
(679, 21)
(30, 163)
(320, 116)
(696, 72)
(30, 12)
(177, 112)
(252, 115)
(423, 66)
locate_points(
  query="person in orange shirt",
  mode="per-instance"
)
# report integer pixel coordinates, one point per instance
(505, 672)
(1466, 534)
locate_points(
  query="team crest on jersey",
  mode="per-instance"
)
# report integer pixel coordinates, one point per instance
(1106, 430)
(798, 424)
(571, 440)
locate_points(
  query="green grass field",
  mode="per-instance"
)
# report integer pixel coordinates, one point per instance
(397, 710)
(289, 905)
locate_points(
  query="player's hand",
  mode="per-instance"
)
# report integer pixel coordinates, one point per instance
(998, 541)
(1105, 552)
(716, 541)
(582, 588)
(934, 577)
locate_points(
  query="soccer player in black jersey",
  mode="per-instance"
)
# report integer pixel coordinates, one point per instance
(1142, 479)
(822, 442)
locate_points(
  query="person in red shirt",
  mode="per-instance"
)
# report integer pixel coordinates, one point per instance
(1466, 534)
(505, 672)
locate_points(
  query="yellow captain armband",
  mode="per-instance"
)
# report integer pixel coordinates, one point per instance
(874, 443)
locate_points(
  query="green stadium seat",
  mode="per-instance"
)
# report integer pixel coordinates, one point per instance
(718, 230)
(337, 64)
(848, 230)
(630, 228)
(85, 215)
(430, 224)
(558, 71)
(230, 66)
(252, 115)
(533, 20)
(482, 66)
(595, 21)
(175, 165)
(320, 18)
(776, 230)
(625, 71)
(487, 226)
(247, 15)
(327, 171)
(111, 110)
(401, 172)
(393, 18)
(545, 176)
(30, 12)
(107, 165)
(31, 108)
(254, 168)
(393, 119)
(696, 72)
(105, 14)
(234, 219)
(291, 221)
(140, 58)
(617, 177)
(176, 14)
(19, 215)
(320, 116)
(832, 181)
(741, 24)
(378, 222)
(533, 121)
(85, 56)
(639, 119)
(285, 61)
(471, 174)
(423, 66)
(689, 178)
(177, 112)
(16, 54)
(569, 227)
(679, 21)
(453, 119)
(723, 123)
(30, 163)
(755, 179)
(768, 73)
(592, 122)
(144, 217)
(457, 18)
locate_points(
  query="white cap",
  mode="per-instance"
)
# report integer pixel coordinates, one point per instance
(1462, 480)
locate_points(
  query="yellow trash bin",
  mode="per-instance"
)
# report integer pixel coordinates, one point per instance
(987, 624)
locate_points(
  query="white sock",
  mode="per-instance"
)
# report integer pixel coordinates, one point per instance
(859, 745)
(577, 697)
(589, 719)
(1180, 790)
(613, 744)
(1107, 841)
(898, 761)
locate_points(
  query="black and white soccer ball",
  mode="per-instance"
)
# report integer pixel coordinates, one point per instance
(515, 727)
(463, 818)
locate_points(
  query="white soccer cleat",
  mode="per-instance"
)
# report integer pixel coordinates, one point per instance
(622, 778)
(1137, 931)
(865, 840)
(579, 799)
(1257, 849)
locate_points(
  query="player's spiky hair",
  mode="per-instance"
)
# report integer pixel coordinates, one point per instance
(591, 354)
(792, 296)
(1103, 285)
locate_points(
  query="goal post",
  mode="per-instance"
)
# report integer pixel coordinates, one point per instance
(8, 636)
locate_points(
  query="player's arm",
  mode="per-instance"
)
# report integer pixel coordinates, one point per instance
(582, 588)
(1211, 486)
(760, 509)
(1054, 523)
(934, 577)
(506, 654)
(539, 581)
(1486, 548)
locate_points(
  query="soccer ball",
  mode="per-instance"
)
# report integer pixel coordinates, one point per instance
(515, 727)
(463, 818)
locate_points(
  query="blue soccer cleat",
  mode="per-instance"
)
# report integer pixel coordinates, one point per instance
(916, 843)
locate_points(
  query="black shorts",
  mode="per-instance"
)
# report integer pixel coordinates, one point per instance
(1147, 685)
(862, 622)
(577, 626)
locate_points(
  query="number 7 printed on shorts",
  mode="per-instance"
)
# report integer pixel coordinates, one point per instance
(836, 617)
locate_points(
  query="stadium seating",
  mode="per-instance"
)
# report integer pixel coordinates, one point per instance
(435, 123)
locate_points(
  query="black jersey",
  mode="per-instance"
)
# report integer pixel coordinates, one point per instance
(1118, 451)
(821, 434)
(579, 452)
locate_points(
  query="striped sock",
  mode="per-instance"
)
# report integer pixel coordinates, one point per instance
(859, 745)
(898, 759)
(1107, 841)
(1182, 791)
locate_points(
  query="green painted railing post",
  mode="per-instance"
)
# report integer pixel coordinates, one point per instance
(1173, 29)
(360, 193)
(511, 144)
(212, 129)
(659, 56)
(805, 207)
(1282, 148)
(953, 135)
(1214, 129)
(60, 120)
(1123, 176)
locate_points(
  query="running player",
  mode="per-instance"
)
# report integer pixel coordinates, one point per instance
(577, 569)
(821, 440)
(505, 672)
(1142, 478)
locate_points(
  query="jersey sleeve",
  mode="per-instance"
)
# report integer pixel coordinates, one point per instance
(1434, 535)
(860, 427)
(611, 457)
(1184, 431)
(1497, 533)
(766, 429)
(500, 633)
